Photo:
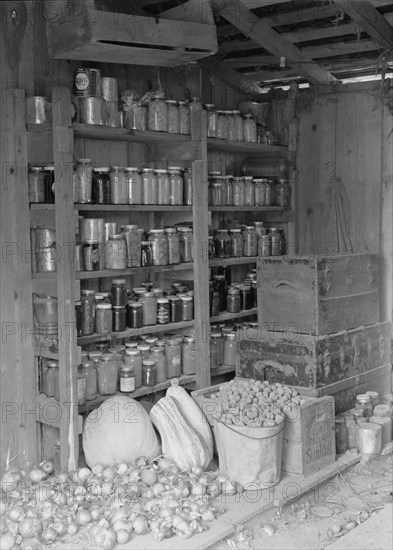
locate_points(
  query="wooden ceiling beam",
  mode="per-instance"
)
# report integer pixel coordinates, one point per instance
(252, 26)
(370, 20)
(215, 67)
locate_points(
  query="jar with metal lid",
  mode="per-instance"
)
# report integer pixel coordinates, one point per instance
(119, 293)
(269, 192)
(231, 131)
(363, 402)
(230, 349)
(249, 191)
(126, 379)
(151, 340)
(159, 247)
(173, 116)
(220, 286)
(236, 243)
(91, 255)
(282, 192)
(119, 322)
(211, 247)
(187, 305)
(78, 318)
(83, 181)
(148, 286)
(173, 245)
(216, 193)
(119, 185)
(176, 185)
(227, 190)
(264, 246)
(88, 305)
(216, 350)
(149, 373)
(163, 187)
(149, 309)
(233, 300)
(250, 241)
(259, 192)
(107, 372)
(186, 244)
(212, 120)
(184, 118)
(259, 229)
(276, 241)
(374, 398)
(132, 238)
(144, 350)
(49, 182)
(245, 297)
(36, 181)
(188, 355)
(90, 373)
(175, 309)
(238, 191)
(163, 311)
(381, 416)
(146, 254)
(187, 187)
(51, 380)
(173, 356)
(249, 128)
(222, 125)
(133, 359)
(103, 318)
(150, 186)
(158, 113)
(239, 125)
(157, 354)
(341, 435)
(222, 244)
(158, 292)
(101, 186)
(116, 252)
(134, 185)
(195, 105)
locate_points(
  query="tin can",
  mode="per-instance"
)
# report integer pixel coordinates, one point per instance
(43, 237)
(83, 181)
(46, 259)
(112, 114)
(78, 257)
(92, 111)
(87, 82)
(109, 88)
(92, 229)
(38, 110)
(91, 256)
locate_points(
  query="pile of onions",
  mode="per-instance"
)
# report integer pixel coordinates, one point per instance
(108, 504)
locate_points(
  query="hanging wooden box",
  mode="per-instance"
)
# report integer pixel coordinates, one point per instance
(318, 295)
(90, 31)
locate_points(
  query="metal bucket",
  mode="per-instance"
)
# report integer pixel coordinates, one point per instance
(92, 110)
(109, 88)
(38, 110)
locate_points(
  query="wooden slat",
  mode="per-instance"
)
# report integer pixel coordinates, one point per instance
(229, 146)
(132, 271)
(91, 131)
(193, 10)
(225, 316)
(225, 73)
(263, 34)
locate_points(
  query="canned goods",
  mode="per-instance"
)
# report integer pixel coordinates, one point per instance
(112, 114)
(92, 110)
(87, 82)
(109, 88)
(38, 110)
(36, 184)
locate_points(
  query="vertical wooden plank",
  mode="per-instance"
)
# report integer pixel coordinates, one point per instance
(65, 237)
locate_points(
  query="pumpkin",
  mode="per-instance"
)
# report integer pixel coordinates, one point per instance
(119, 431)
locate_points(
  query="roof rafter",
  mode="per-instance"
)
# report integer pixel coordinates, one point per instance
(231, 77)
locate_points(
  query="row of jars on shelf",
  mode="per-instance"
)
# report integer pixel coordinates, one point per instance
(248, 191)
(232, 298)
(247, 241)
(103, 313)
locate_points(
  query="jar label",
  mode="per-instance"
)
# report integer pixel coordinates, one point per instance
(127, 384)
(81, 81)
(163, 315)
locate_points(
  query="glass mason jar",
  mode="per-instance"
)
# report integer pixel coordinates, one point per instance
(126, 379)
(132, 237)
(276, 241)
(158, 113)
(265, 246)
(222, 244)
(119, 185)
(91, 255)
(149, 309)
(236, 243)
(230, 349)
(163, 311)
(91, 380)
(250, 241)
(249, 128)
(259, 229)
(119, 293)
(101, 186)
(195, 105)
(249, 193)
(103, 318)
(282, 192)
(176, 185)
(157, 354)
(134, 315)
(216, 193)
(233, 300)
(81, 386)
(149, 373)
(107, 372)
(173, 357)
(51, 380)
(187, 308)
(187, 187)
(163, 186)
(146, 254)
(36, 181)
(269, 185)
(227, 190)
(173, 245)
(134, 184)
(150, 187)
(215, 305)
(245, 297)
(119, 319)
(188, 355)
(260, 192)
(159, 247)
(186, 244)
(238, 125)
(83, 181)
(133, 359)
(184, 118)
(116, 252)
(88, 311)
(135, 118)
(173, 116)
(212, 120)
(220, 286)
(216, 350)
(222, 125)
(231, 131)
(238, 191)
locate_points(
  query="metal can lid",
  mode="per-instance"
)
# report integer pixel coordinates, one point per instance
(170, 230)
(104, 306)
(186, 298)
(139, 289)
(157, 95)
(130, 345)
(126, 368)
(101, 169)
(52, 364)
(156, 231)
(171, 102)
(131, 169)
(147, 170)
(216, 335)
(91, 241)
(118, 282)
(83, 161)
(160, 171)
(118, 307)
(149, 363)
(36, 168)
(157, 349)
(235, 230)
(209, 106)
(363, 398)
(143, 347)
(231, 335)
(86, 292)
(175, 169)
(162, 301)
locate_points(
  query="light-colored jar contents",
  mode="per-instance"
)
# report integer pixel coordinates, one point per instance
(132, 237)
(158, 113)
(276, 241)
(133, 359)
(149, 309)
(187, 187)
(157, 354)
(239, 130)
(126, 379)
(184, 118)
(116, 252)
(230, 349)
(369, 438)
(187, 305)
(163, 186)
(176, 185)
(222, 125)
(119, 185)
(135, 117)
(186, 244)
(107, 370)
(88, 312)
(259, 228)
(216, 193)
(227, 190)
(81, 386)
(236, 243)
(173, 356)
(265, 246)
(249, 128)
(150, 187)
(91, 380)
(36, 181)
(159, 247)
(149, 373)
(188, 355)
(249, 193)
(212, 120)
(282, 193)
(259, 192)
(233, 300)
(173, 116)
(250, 241)
(231, 131)
(134, 184)
(173, 245)
(51, 380)
(238, 191)
(83, 181)
(103, 318)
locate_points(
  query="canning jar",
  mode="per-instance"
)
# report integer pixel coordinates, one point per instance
(212, 120)
(186, 244)
(101, 186)
(173, 116)
(254, 292)
(91, 255)
(119, 293)
(216, 350)
(133, 359)
(119, 316)
(239, 129)
(233, 300)
(134, 315)
(216, 193)
(116, 252)
(163, 311)
(157, 354)
(88, 307)
(187, 308)
(363, 402)
(83, 181)
(238, 191)
(149, 308)
(250, 241)
(132, 238)
(49, 181)
(259, 192)
(222, 244)
(215, 305)
(159, 247)
(150, 189)
(230, 349)
(146, 254)
(381, 416)
(184, 118)
(231, 132)
(175, 309)
(188, 355)
(78, 318)
(126, 379)
(195, 105)
(163, 187)
(187, 187)
(264, 246)
(173, 245)
(245, 297)
(249, 191)
(269, 192)
(119, 185)
(149, 373)
(282, 193)
(236, 243)
(276, 241)
(107, 372)
(135, 117)
(103, 318)
(176, 185)
(91, 379)
(134, 185)
(259, 229)
(51, 380)
(81, 386)
(173, 357)
(222, 125)
(36, 184)
(227, 190)
(249, 128)
(158, 293)
(158, 113)
(220, 286)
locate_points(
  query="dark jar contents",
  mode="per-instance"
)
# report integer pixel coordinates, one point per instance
(245, 297)
(101, 186)
(119, 293)
(49, 179)
(78, 318)
(163, 311)
(215, 304)
(175, 309)
(103, 318)
(233, 300)
(146, 254)
(341, 435)
(91, 255)
(119, 319)
(220, 286)
(134, 315)
(88, 307)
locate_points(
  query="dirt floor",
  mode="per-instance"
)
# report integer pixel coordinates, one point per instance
(329, 512)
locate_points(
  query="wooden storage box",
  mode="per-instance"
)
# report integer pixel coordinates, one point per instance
(317, 295)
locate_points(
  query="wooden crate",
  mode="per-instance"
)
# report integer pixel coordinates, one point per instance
(318, 295)
(313, 361)
(309, 436)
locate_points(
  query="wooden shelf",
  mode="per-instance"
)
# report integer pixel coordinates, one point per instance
(144, 390)
(219, 262)
(90, 131)
(82, 340)
(248, 209)
(132, 271)
(222, 369)
(132, 208)
(225, 316)
(243, 147)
